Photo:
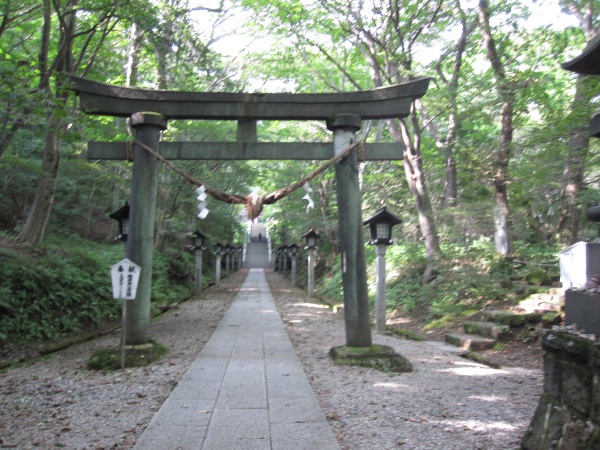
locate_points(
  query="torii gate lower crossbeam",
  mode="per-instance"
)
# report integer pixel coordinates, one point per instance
(343, 114)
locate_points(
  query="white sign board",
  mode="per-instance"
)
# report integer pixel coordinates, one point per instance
(125, 276)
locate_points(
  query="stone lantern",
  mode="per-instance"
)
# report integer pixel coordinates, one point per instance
(381, 224)
(121, 215)
(311, 243)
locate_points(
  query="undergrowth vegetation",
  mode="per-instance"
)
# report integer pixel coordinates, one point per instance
(468, 279)
(63, 286)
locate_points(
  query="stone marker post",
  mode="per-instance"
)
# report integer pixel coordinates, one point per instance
(311, 270)
(354, 272)
(218, 269)
(293, 257)
(198, 258)
(380, 304)
(142, 214)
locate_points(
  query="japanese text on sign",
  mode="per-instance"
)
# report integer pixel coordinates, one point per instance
(125, 276)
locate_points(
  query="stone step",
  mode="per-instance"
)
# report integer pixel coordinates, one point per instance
(547, 297)
(557, 291)
(488, 329)
(257, 255)
(539, 306)
(513, 320)
(469, 341)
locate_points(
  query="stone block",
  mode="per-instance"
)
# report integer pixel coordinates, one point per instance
(583, 309)
(488, 329)
(594, 442)
(578, 263)
(595, 358)
(469, 341)
(576, 434)
(535, 434)
(571, 346)
(595, 416)
(578, 387)
(553, 375)
(380, 357)
(504, 317)
(557, 418)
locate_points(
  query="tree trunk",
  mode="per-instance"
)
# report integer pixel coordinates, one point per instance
(133, 55)
(500, 181)
(573, 175)
(451, 184)
(502, 155)
(413, 168)
(37, 220)
(448, 141)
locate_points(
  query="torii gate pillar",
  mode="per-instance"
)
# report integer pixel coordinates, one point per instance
(350, 232)
(142, 216)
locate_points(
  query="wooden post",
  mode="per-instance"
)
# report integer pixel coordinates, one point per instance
(142, 214)
(350, 226)
(380, 305)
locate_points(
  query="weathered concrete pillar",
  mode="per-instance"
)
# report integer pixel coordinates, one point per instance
(380, 306)
(350, 226)
(218, 269)
(140, 240)
(198, 258)
(293, 270)
(311, 271)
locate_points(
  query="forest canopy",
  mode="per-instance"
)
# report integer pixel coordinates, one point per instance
(497, 162)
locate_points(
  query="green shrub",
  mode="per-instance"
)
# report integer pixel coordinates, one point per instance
(63, 286)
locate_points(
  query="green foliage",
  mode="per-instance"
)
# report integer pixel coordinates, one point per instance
(172, 277)
(330, 284)
(50, 291)
(63, 286)
(469, 279)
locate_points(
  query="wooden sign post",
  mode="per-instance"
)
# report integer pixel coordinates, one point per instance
(125, 276)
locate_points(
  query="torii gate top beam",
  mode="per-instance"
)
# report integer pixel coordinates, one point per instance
(384, 103)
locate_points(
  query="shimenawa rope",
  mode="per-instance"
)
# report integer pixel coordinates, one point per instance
(254, 203)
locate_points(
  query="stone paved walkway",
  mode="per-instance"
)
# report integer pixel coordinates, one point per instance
(246, 390)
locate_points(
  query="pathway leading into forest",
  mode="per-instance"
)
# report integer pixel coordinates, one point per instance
(246, 390)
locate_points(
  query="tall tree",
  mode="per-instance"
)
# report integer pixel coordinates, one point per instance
(501, 157)
(52, 80)
(450, 79)
(578, 139)
(388, 35)
(366, 44)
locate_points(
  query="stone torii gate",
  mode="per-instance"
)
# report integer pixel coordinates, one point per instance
(150, 112)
